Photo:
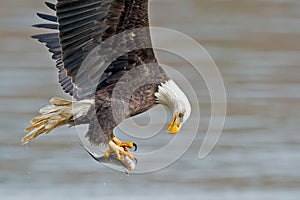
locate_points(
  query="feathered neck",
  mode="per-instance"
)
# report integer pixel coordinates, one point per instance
(170, 95)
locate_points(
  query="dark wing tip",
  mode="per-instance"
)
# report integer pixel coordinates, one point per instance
(46, 26)
(50, 5)
(34, 36)
(47, 17)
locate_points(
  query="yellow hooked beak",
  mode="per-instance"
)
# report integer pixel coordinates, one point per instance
(174, 126)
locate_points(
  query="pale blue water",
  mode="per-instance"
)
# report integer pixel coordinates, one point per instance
(256, 45)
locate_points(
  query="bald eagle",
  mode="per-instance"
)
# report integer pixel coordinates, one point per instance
(78, 27)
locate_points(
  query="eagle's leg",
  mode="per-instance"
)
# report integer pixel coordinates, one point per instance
(119, 148)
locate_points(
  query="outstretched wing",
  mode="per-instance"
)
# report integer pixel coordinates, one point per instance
(51, 41)
(82, 25)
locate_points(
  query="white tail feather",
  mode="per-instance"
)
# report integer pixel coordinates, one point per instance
(59, 113)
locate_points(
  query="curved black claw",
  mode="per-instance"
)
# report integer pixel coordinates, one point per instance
(135, 147)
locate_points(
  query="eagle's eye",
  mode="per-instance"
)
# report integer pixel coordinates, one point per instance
(180, 115)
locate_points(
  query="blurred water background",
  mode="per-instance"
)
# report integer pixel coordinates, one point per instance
(255, 44)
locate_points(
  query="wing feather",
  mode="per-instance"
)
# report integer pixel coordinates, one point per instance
(51, 40)
(50, 5)
(83, 25)
(46, 26)
(47, 17)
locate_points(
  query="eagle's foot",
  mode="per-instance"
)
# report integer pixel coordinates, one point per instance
(120, 148)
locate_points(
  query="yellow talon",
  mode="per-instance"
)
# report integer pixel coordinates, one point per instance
(123, 144)
(107, 153)
(119, 148)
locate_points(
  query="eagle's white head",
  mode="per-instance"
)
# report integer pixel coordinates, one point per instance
(170, 95)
